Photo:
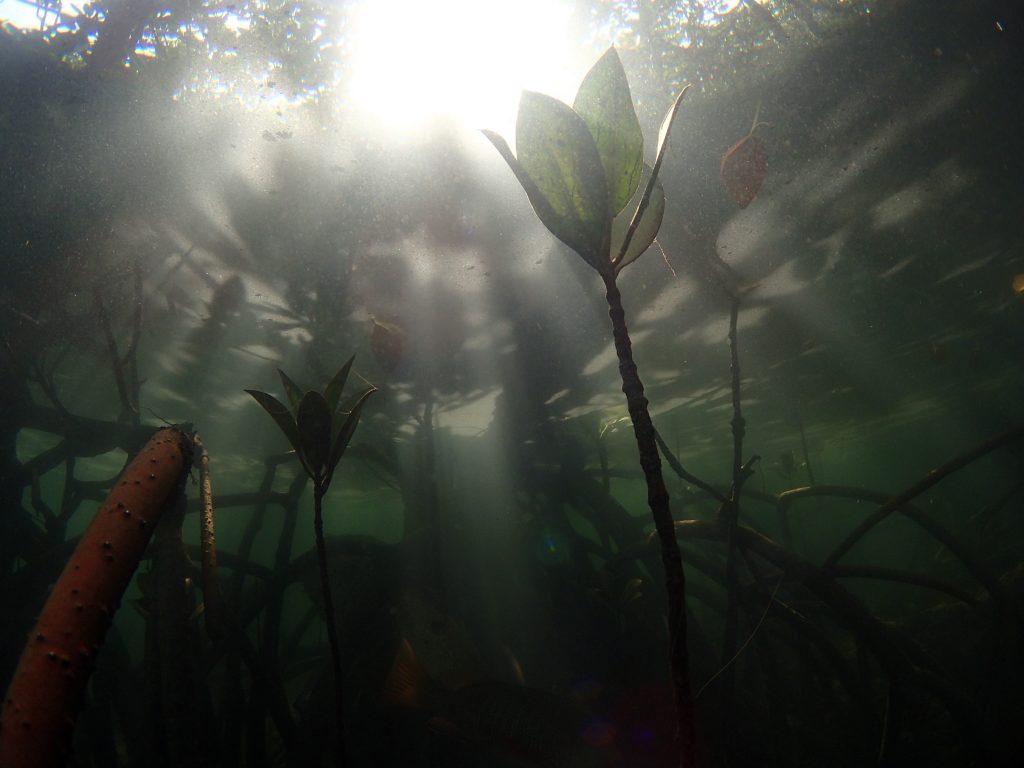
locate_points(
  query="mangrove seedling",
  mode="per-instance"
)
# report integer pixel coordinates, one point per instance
(581, 168)
(320, 428)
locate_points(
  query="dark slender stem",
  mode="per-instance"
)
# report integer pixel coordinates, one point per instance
(282, 556)
(770, 667)
(115, 358)
(739, 424)
(131, 356)
(803, 446)
(430, 499)
(658, 501)
(730, 517)
(171, 629)
(319, 488)
(602, 457)
(890, 723)
(232, 739)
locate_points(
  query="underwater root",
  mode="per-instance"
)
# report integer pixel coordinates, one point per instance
(45, 695)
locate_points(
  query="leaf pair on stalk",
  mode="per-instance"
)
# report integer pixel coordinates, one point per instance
(582, 167)
(318, 426)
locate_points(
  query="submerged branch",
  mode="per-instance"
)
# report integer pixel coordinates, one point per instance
(897, 654)
(915, 490)
(904, 577)
(974, 564)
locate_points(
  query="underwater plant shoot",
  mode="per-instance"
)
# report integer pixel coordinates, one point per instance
(580, 167)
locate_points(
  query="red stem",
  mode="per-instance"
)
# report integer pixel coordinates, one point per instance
(45, 694)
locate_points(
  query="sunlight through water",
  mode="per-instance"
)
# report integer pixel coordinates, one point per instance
(462, 60)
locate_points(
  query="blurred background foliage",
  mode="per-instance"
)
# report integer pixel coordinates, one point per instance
(217, 150)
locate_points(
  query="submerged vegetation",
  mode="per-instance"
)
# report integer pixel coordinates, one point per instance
(829, 330)
(320, 436)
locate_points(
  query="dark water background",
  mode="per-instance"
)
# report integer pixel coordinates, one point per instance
(491, 510)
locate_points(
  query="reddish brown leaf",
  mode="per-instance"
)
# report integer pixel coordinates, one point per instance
(387, 341)
(744, 167)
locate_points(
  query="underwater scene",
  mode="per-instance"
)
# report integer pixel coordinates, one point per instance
(536, 384)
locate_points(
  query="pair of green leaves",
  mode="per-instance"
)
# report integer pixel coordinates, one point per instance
(317, 426)
(582, 167)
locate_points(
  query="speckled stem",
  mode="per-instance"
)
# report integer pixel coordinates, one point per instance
(45, 694)
(212, 598)
(658, 501)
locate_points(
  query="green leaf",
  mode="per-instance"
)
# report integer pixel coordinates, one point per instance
(290, 389)
(666, 127)
(663, 134)
(348, 428)
(346, 407)
(332, 392)
(558, 154)
(313, 420)
(540, 205)
(605, 104)
(645, 231)
(281, 415)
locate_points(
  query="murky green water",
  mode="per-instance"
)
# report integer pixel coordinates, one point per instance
(193, 197)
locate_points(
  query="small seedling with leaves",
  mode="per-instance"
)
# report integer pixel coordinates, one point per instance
(319, 428)
(581, 168)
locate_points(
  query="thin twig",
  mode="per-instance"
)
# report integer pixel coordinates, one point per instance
(130, 360)
(746, 642)
(803, 446)
(729, 517)
(678, 468)
(115, 358)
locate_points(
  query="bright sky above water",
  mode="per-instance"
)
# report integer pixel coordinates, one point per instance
(23, 15)
(461, 60)
(465, 60)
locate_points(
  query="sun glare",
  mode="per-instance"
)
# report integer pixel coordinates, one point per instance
(29, 15)
(465, 60)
